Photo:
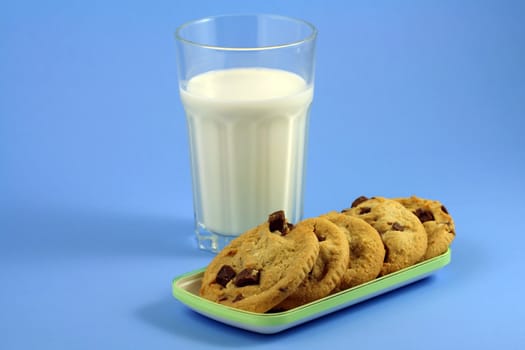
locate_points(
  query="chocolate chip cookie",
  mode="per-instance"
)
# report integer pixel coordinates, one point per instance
(403, 235)
(437, 221)
(263, 266)
(366, 248)
(329, 267)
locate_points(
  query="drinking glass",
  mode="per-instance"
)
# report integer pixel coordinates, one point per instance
(246, 84)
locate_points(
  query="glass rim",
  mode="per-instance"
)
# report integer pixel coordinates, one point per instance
(310, 37)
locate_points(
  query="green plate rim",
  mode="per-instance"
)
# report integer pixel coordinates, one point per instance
(311, 310)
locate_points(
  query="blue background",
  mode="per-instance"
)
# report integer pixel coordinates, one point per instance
(412, 97)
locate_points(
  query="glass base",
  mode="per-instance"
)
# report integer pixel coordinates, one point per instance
(211, 241)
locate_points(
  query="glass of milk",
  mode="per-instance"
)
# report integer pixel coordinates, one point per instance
(246, 84)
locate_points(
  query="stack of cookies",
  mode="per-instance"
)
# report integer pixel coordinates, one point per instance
(277, 266)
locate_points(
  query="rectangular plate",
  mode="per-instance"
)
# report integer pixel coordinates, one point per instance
(186, 290)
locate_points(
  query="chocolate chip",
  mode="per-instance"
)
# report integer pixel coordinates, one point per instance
(424, 215)
(396, 226)
(365, 210)
(444, 209)
(356, 250)
(277, 222)
(225, 274)
(238, 297)
(358, 201)
(247, 277)
(231, 252)
(283, 289)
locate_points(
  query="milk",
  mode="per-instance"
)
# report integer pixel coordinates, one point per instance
(247, 130)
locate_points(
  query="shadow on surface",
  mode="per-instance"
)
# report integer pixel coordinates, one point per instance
(176, 319)
(79, 233)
